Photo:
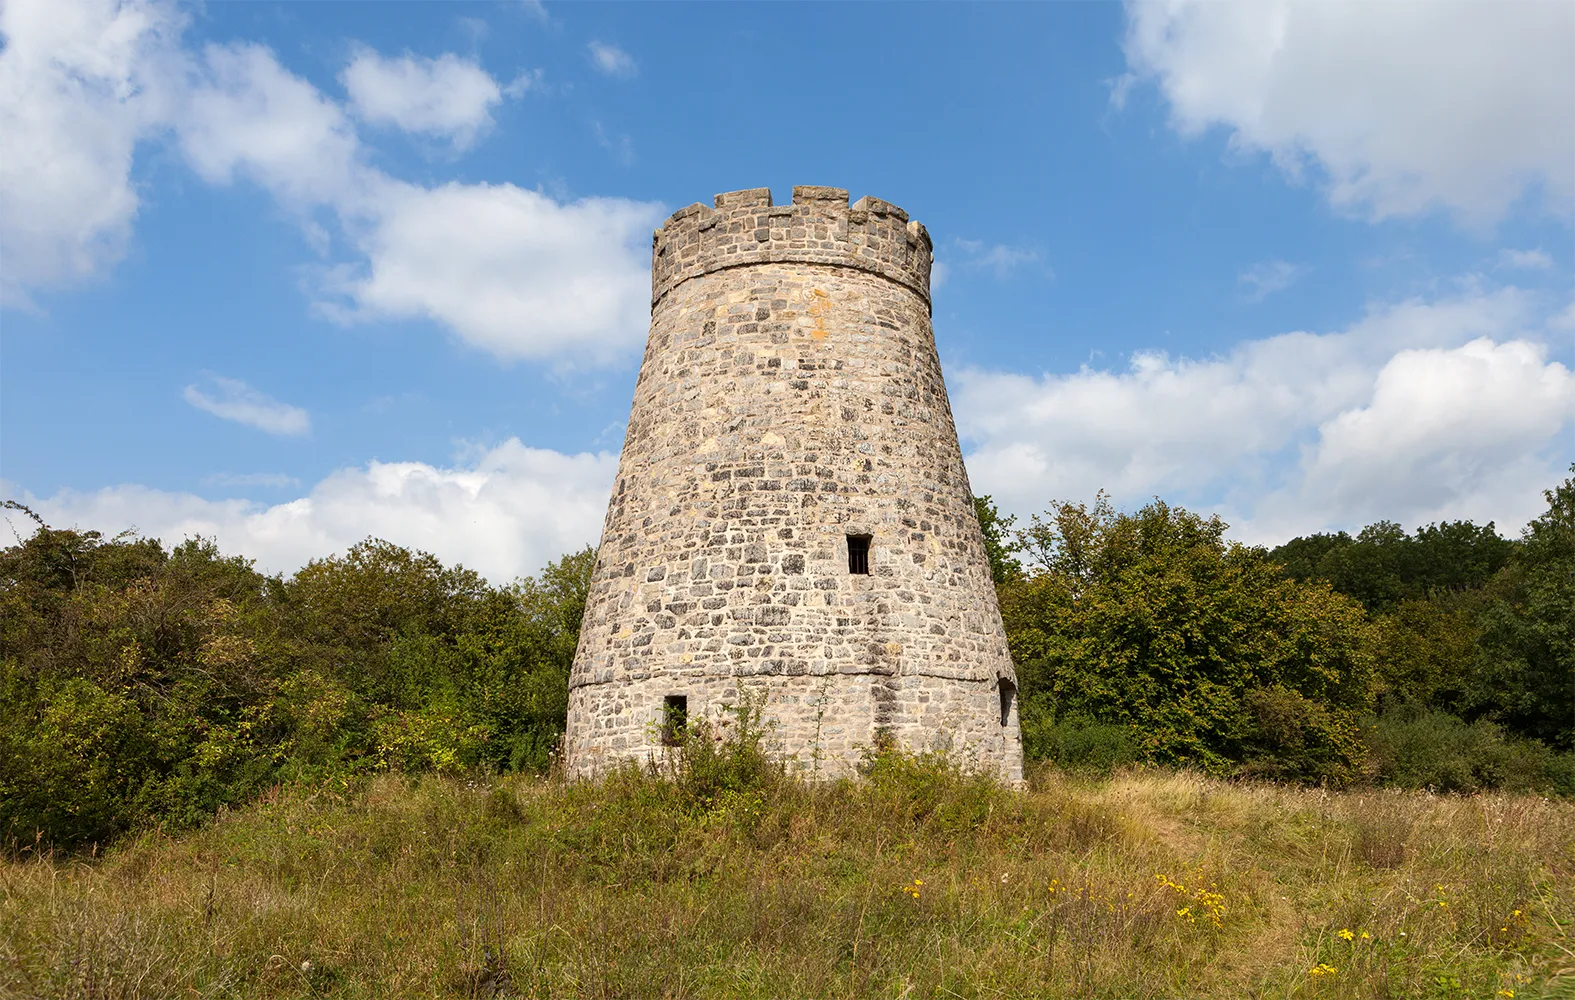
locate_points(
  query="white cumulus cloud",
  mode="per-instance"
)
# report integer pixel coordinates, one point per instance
(512, 271)
(81, 84)
(1402, 107)
(232, 399)
(1444, 434)
(508, 269)
(247, 116)
(1420, 410)
(504, 515)
(446, 97)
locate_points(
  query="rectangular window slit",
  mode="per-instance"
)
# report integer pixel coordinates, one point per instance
(675, 719)
(859, 554)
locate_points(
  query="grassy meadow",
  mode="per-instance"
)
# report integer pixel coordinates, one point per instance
(917, 882)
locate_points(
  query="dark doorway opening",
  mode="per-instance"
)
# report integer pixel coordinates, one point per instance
(859, 554)
(675, 719)
(1008, 696)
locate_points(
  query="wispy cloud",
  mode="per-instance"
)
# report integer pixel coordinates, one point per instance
(1267, 277)
(232, 399)
(620, 145)
(1525, 260)
(526, 80)
(939, 272)
(276, 480)
(612, 60)
(1001, 259)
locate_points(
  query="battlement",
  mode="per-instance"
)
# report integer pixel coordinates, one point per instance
(819, 227)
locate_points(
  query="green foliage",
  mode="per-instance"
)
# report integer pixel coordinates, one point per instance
(715, 763)
(1197, 647)
(1383, 565)
(1081, 744)
(998, 544)
(146, 686)
(1417, 748)
(1466, 623)
(143, 686)
(1528, 637)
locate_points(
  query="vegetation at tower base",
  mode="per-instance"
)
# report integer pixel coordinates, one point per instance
(142, 686)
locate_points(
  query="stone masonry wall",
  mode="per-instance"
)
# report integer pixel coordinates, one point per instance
(791, 396)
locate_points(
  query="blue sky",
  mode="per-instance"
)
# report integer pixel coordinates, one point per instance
(292, 274)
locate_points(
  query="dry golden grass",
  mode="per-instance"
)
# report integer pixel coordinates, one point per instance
(922, 884)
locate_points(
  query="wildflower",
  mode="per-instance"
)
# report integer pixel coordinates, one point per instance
(1345, 934)
(1505, 993)
(1320, 970)
(1365, 936)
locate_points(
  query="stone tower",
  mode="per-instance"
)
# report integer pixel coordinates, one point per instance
(791, 519)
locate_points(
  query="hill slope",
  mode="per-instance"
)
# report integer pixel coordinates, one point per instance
(916, 883)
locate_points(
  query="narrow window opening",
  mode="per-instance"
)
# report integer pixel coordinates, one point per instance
(1008, 696)
(675, 719)
(859, 554)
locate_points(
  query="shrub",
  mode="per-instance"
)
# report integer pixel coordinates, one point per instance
(1153, 621)
(1293, 738)
(1081, 743)
(712, 762)
(1417, 748)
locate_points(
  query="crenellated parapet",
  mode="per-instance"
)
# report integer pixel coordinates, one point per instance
(744, 228)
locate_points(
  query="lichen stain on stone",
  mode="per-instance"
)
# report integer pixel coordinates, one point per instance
(819, 309)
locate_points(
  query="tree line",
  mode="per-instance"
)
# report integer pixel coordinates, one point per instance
(142, 685)
(1441, 658)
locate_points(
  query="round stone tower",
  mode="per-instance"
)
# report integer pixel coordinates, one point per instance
(792, 522)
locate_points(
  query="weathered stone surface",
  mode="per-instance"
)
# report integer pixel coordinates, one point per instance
(791, 397)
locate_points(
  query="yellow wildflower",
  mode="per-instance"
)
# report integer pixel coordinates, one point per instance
(1345, 934)
(1320, 970)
